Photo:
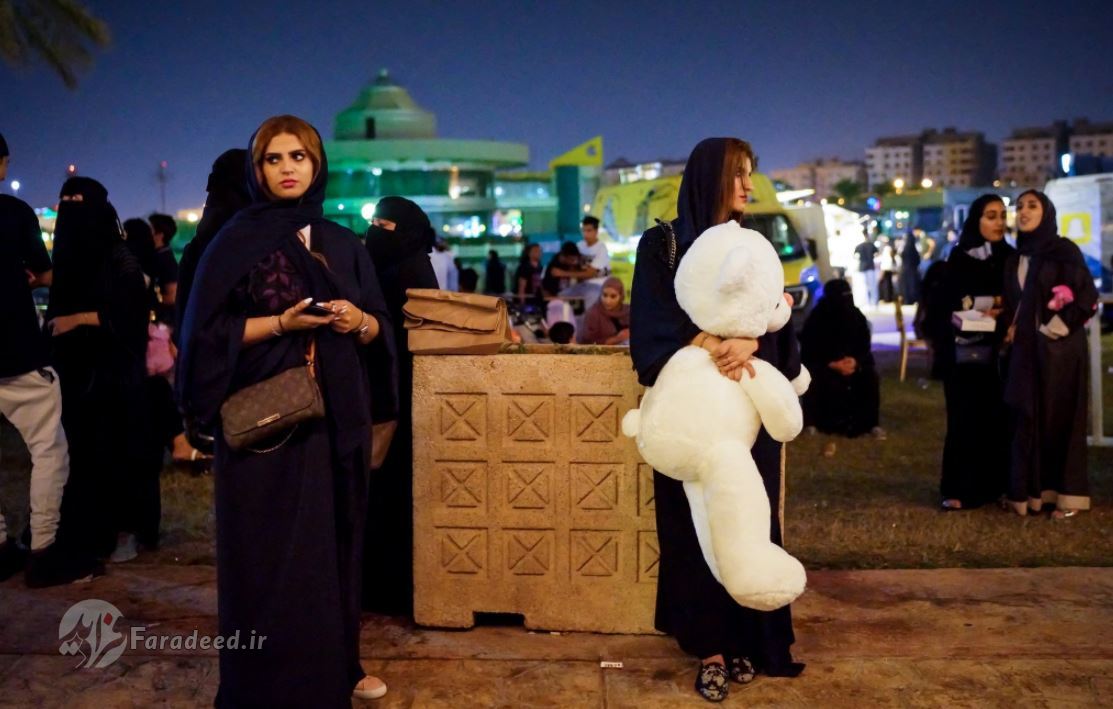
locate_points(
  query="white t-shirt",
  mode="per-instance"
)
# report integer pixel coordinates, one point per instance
(444, 266)
(596, 256)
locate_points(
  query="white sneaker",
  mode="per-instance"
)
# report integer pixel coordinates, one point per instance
(126, 549)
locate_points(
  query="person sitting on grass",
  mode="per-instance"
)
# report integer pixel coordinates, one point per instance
(608, 321)
(845, 395)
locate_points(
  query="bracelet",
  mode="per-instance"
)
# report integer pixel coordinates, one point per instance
(277, 331)
(361, 328)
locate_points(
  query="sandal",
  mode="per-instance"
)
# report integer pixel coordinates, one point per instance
(1063, 514)
(742, 670)
(711, 682)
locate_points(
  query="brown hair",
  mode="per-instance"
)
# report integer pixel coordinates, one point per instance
(736, 151)
(277, 125)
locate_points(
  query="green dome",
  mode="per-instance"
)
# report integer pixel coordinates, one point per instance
(385, 110)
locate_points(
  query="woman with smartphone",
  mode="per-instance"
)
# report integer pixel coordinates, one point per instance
(277, 282)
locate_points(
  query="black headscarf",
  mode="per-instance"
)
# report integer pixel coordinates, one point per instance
(1041, 245)
(85, 235)
(971, 236)
(412, 234)
(835, 329)
(141, 242)
(212, 338)
(1042, 240)
(909, 254)
(228, 194)
(700, 187)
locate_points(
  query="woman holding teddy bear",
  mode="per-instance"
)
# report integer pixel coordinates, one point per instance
(733, 643)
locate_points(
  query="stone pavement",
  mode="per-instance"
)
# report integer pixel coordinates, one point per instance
(914, 638)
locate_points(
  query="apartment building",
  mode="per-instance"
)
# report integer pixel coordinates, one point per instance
(958, 159)
(1095, 139)
(1030, 156)
(895, 157)
(822, 175)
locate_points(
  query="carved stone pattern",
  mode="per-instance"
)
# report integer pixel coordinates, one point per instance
(595, 418)
(647, 504)
(529, 418)
(464, 551)
(595, 485)
(463, 484)
(529, 552)
(594, 553)
(529, 485)
(649, 557)
(463, 417)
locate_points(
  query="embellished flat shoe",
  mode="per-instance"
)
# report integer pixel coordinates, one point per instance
(742, 670)
(711, 682)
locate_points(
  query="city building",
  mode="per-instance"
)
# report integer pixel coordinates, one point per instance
(1030, 156)
(1091, 139)
(895, 158)
(954, 159)
(822, 175)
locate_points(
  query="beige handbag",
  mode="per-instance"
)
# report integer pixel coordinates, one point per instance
(444, 322)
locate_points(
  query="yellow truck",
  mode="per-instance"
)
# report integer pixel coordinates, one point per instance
(627, 210)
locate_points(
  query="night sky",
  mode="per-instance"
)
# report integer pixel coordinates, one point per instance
(184, 81)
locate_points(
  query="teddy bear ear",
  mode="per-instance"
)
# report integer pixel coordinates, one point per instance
(735, 271)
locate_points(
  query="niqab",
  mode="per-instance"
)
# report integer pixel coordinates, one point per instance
(85, 235)
(412, 233)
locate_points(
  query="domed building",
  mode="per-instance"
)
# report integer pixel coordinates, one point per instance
(386, 144)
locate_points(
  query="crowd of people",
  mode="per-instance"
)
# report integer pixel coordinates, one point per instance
(140, 358)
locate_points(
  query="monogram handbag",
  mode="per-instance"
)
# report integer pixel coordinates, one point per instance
(262, 411)
(446, 322)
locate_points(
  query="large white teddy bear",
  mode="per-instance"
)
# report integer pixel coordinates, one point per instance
(698, 426)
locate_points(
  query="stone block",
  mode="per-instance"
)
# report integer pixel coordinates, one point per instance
(527, 497)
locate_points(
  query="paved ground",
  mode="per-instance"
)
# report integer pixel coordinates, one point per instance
(920, 638)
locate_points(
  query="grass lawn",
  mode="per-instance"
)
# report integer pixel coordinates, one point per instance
(873, 505)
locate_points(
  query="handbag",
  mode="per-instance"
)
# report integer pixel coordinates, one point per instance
(446, 322)
(265, 409)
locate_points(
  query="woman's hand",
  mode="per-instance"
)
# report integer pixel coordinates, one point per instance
(348, 317)
(293, 318)
(66, 323)
(732, 357)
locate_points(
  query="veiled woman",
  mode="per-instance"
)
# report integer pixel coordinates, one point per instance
(730, 641)
(976, 449)
(98, 317)
(289, 511)
(1049, 296)
(399, 239)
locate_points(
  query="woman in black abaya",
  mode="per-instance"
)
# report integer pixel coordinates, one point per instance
(1049, 296)
(976, 450)
(845, 394)
(399, 239)
(731, 641)
(290, 512)
(227, 194)
(910, 270)
(98, 316)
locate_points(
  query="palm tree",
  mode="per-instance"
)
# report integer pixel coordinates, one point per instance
(61, 32)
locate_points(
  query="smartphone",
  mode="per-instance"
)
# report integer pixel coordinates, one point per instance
(317, 309)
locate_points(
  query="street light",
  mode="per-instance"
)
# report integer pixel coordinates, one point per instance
(926, 183)
(898, 184)
(15, 186)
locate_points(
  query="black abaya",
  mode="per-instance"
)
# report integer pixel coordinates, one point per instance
(1046, 383)
(834, 403)
(401, 261)
(691, 605)
(100, 368)
(290, 521)
(976, 448)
